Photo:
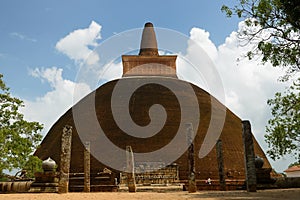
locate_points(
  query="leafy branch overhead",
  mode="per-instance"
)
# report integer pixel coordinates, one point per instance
(274, 25)
(18, 137)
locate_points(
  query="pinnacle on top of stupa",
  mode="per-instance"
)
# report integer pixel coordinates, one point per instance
(148, 43)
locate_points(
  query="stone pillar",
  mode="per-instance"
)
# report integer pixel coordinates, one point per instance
(249, 157)
(220, 160)
(130, 170)
(191, 158)
(65, 159)
(87, 167)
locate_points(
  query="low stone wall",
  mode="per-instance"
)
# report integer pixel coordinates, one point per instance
(99, 182)
(202, 185)
(15, 186)
(288, 182)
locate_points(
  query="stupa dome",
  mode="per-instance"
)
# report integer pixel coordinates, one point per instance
(158, 72)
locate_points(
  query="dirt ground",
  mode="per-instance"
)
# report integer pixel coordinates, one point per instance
(285, 194)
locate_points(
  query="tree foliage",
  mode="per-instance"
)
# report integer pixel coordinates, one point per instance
(18, 137)
(274, 25)
(284, 128)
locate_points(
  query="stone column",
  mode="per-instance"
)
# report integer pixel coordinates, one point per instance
(249, 157)
(87, 167)
(220, 160)
(130, 170)
(65, 159)
(191, 158)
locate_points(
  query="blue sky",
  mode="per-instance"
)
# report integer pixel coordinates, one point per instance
(41, 74)
(30, 29)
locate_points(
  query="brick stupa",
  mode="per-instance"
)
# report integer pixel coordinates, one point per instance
(157, 68)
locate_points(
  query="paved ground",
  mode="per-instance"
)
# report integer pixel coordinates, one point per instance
(284, 194)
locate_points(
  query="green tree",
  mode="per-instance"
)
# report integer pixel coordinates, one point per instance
(18, 137)
(272, 27)
(284, 128)
(33, 164)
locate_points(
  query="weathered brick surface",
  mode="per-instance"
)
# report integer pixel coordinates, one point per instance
(139, 106)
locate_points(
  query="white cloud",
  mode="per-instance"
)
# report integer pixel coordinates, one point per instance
(77, 44)
(22, 37)
(247, 84)
(201, 37)
(111, 71)
(49, 107)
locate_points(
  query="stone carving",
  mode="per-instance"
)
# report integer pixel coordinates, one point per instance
(191, 158)
(65, 157)
(259, 162)
(87, 167)
(48, 165)
(220, 160)
(130, 170)
(249, 157)
(46, 181)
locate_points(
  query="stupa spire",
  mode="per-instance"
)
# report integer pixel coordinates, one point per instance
(149, 62)
(148, 43)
